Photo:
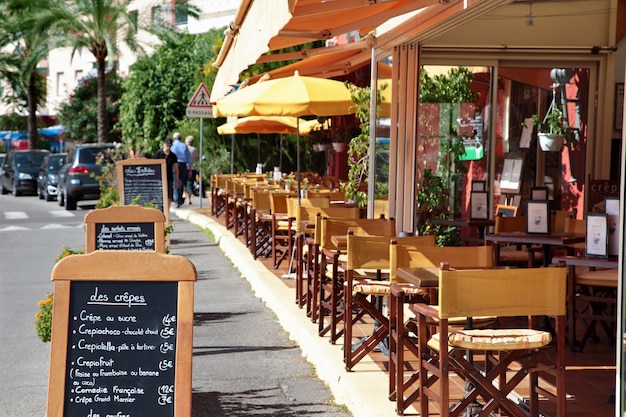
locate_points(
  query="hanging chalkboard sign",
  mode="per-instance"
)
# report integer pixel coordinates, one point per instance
(143, 182)
(125, 228)
(122, 335)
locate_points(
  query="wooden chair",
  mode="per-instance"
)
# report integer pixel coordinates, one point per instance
(579, 226)
(307, 215)
(592, 300)
(367, 258)
(322, 215)
(261, 219)
(218, 194)
(283, 229)
(516, 255)
(402, 321)
(507, 356)
(332, 195)
(558, 219)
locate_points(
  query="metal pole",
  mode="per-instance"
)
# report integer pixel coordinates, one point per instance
(201, 158)
(232, 153)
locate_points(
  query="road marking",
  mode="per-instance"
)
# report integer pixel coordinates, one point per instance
(13, 228)
(59, 226)
(15, 215)
(61, 213)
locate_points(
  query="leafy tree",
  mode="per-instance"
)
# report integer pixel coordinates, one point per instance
(160, 86)
(79, 112)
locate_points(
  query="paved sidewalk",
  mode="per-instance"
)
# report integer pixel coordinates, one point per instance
(363, 391)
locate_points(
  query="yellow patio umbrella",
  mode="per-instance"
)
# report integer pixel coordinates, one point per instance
(267, 125)
(290, 96)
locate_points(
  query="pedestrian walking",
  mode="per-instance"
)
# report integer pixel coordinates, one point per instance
(171, 167)
(184, 159)
(193, 166)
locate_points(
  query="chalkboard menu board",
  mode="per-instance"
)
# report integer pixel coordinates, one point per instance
(112, 236)
(121, 349)
(121, 335)
(125, 228)
(143, 182)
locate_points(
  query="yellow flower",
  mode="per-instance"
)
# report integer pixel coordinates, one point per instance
(38, 316)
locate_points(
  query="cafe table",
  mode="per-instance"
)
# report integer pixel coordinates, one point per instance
(479, 224)
(340, 241)
(572, 262)
(544, 240)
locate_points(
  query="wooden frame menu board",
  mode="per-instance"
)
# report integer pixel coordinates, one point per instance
(145, 179)
(125, 228)
(122, 335)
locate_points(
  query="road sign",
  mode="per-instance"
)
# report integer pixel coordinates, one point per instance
(200, 104)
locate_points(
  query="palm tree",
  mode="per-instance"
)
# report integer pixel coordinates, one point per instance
(98, 26)
(23, 48)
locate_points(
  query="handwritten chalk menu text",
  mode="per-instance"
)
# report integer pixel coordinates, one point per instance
(122, 335)
(145, 182)
(121, 349)
(112, 236)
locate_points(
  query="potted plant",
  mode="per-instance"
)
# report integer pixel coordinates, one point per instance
(319, 139)
(552, 131)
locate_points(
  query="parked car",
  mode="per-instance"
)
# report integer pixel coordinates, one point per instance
(48, 177)
(19, 171)
(78, 178)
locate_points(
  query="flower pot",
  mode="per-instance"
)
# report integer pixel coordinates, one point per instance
(551, 142)
(320, 147)
(340, 146)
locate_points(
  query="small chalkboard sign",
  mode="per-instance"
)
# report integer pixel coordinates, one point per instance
(125, 228)
(121, 335)
(144, 182)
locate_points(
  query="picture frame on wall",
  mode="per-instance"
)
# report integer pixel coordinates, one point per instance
(611, 208)
(479, 185)
(479, 205)
(539, 193)
(597, 235)
(538, 217)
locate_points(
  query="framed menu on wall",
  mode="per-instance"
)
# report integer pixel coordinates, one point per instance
(511, 178)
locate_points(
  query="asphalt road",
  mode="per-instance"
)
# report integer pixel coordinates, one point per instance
(243, 362)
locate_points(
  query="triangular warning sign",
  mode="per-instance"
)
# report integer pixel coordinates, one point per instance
(201, 98)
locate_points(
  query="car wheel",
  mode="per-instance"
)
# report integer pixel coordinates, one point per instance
(60, 198)
(15, 192)
(70, 202)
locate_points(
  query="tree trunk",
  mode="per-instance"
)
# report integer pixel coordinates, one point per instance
(33, 98)
(103, 125)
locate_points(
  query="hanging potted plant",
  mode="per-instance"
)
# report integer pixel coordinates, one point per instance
(553, 131)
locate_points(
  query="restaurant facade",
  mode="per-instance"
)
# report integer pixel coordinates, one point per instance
(526, 57)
